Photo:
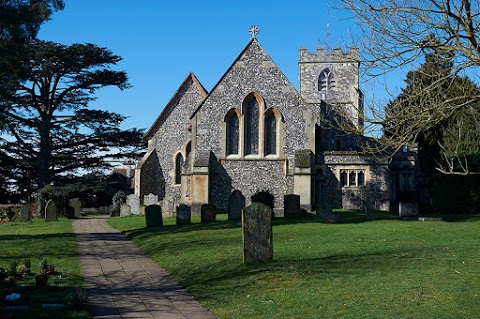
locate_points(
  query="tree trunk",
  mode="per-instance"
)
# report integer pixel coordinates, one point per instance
(44, 156)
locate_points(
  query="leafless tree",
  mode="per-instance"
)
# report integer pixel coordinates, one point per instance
(396, 34)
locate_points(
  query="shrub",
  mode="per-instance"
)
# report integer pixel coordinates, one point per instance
(43, 266)
(264, 197)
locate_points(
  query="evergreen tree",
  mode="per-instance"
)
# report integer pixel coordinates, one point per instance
(438, 111)
(51, 129)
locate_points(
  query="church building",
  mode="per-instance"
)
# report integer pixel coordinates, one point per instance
(254, 131)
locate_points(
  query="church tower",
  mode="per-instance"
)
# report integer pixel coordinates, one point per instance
(332, 78)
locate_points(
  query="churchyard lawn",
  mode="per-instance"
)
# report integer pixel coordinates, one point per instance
(35, 240)
(358, 268)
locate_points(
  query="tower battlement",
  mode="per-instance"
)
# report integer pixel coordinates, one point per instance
(334, 56)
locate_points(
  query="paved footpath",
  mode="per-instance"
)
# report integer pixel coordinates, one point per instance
(124, 283)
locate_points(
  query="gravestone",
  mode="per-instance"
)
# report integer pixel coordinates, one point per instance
(184, 214)
(407, 210)
(150, 199)
(291, 205)
(153, 215)
(134, 201)
(257, 233)
(236, 203)
(168, 205)
(51, 211)
(323, 210)
(125, 210)
(77, 206)
(25, 213)
(208, 213)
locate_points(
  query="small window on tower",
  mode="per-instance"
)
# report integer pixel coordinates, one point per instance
(326, 81)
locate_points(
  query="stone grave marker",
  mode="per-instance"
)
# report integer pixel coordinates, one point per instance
(153, 215)
(208, 213)
(257, 233)
(236, 203)
(168, 205)
(134, 201)
(77, 206)
(184, 214)
(125, 210)
(150, 199)
(51, 211)
(407, 210)
(291, 205)
(25, 213)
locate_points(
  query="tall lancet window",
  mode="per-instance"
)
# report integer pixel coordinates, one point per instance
(232, 122)
(178, 168)
(270, 134)
(326, 81)
(251, 126)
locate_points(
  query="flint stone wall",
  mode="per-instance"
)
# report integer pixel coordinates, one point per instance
(171, 137)
(376, 191)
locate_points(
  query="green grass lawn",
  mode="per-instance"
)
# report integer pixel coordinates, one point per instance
(359, 268)
(36, 240)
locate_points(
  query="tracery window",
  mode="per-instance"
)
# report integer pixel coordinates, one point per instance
(326, 81)
(178, 168)
(251, 126)
(252, 133)
(352, 177)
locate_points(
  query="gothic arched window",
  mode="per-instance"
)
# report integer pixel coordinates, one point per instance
(251, 125)
(270, 133)
(178, 168)
(326, 81)
(233, 132)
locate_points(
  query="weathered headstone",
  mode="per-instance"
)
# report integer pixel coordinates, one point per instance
(153, 215)
(168, 205)
(125, 210)
(291, 205)
(184, 214)
(51, 211)
(236, 203)
(407, 210)
(77, 206)
(257, 233)
(141, 210)
(25, 213)
(134, 201)
(208, 213)
(323, 210)
(150, 199)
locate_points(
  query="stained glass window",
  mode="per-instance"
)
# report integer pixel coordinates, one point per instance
(251, 127)
(270, 134)
(178, 168)
(232, 134)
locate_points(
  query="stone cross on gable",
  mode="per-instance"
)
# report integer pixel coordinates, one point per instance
(253, 30)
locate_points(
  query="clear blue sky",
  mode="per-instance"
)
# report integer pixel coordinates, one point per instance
(162, 41)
